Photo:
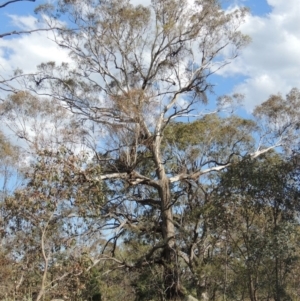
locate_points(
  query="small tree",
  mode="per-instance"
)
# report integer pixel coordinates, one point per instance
(46, 217)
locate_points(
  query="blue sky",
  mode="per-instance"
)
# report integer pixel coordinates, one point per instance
(25, 8)
(17, 8)
(260, 8)
(257, 7)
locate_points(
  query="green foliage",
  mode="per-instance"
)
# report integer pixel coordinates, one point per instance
(222, 131)
(259, 199)
(211, 137)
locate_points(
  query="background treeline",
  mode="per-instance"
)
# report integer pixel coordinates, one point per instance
(246, 220)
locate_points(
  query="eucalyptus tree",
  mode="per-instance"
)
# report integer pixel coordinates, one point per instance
(45, 217)
(8, 157)
(259, 200)
(136, 71)
(45, 228)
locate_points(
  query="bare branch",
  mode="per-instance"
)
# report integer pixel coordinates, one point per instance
(198, 173)
(184, 256)
(12, 1)
(28, 31)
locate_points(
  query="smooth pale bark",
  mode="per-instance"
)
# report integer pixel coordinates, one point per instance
(171, 276)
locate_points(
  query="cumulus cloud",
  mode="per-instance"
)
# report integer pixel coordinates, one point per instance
(23, 22)
(271, 63)
(27, 51)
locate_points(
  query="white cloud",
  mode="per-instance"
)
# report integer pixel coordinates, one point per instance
(23, 22)
(27, 51)
(271, 63)
(141, 2)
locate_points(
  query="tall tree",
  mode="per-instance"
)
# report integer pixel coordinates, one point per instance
(136, 71)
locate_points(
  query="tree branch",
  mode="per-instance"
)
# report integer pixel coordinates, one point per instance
(27, 31)
(198, 173)
(12, 1)
(149, 202)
